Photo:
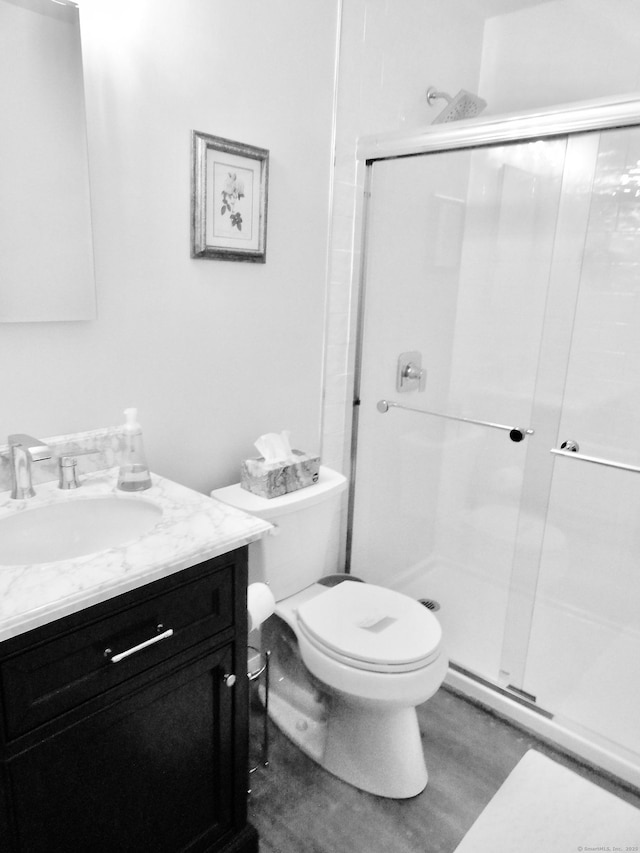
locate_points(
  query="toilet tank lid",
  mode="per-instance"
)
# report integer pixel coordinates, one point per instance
(329, 482)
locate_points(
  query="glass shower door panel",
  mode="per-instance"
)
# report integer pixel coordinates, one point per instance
(584, 651)
(459, 248)
(584, 654)
(415, 231)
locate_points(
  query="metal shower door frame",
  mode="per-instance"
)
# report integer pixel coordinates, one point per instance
(563, 120)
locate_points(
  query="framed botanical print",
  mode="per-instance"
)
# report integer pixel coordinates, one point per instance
(228, 199)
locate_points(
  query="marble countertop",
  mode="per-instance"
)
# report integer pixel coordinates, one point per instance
(193, 527)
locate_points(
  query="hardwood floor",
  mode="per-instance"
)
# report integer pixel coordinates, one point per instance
(297, 807)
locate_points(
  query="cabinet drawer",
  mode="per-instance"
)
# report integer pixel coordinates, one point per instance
(61, 673)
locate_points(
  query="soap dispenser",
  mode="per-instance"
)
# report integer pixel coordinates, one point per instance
(134, 473)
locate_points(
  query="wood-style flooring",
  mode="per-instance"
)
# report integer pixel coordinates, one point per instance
(297, 807)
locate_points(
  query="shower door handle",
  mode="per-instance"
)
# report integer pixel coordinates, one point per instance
(515, 433)
(569, 449)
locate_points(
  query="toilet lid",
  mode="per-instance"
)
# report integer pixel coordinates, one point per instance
(371, 627)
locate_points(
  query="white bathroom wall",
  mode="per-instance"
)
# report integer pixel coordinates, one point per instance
(213, 353)
(558, 52)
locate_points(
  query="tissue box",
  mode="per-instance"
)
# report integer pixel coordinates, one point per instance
(272, 479)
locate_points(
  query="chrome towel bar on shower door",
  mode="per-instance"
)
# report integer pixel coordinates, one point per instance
(515, 433)
(595, 460)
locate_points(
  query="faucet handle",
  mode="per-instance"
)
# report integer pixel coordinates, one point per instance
(67, 468)
(67, 472)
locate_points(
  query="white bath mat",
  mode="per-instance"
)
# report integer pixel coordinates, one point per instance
(543, 807)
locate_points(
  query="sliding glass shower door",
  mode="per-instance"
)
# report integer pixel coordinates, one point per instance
(459, 253)
(586, 618)
(501, 321)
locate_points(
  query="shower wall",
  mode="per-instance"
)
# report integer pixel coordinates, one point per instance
(529, 62)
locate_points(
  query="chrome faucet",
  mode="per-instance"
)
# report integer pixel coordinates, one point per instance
(23, 450)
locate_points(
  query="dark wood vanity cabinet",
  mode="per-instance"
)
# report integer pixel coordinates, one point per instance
(139, 753)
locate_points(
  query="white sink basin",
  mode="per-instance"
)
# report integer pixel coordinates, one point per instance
(62, 531)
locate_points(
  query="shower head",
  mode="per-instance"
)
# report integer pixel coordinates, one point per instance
(464, 105)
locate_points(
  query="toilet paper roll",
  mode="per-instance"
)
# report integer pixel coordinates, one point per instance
(260, 604)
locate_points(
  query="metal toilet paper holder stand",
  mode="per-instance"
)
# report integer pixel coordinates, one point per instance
(254, 674)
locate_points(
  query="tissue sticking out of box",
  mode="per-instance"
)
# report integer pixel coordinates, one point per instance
(279, 469)
(275, 446)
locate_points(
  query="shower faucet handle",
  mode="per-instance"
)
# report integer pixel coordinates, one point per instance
(410, 375)
(411, 371)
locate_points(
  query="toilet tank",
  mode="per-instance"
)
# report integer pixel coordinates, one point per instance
(304, 544)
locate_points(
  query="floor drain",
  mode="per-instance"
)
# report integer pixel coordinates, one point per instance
(429, 603)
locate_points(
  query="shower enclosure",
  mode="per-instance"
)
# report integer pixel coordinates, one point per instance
(497, 421)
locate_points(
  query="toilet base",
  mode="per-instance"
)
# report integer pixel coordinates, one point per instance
(377, 749)
(374, 749)
(309, 735)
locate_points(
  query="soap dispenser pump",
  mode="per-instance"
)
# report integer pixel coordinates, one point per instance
(134, 474)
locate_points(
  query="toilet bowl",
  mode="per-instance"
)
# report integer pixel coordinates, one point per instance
(351, 661)
(373, 655)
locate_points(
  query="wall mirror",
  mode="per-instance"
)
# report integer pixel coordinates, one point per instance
(46, 260)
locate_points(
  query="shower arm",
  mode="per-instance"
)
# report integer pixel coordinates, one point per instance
(433, 95)
(515, 433)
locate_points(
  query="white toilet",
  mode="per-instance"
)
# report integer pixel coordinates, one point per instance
(349, 661)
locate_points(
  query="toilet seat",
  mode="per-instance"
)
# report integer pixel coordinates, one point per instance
(370, 627)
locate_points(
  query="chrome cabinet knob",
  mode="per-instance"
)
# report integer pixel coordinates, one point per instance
(229, 679)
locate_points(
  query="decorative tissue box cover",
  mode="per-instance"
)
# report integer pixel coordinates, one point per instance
(272, 479)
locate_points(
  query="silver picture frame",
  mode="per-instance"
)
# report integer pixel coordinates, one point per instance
(229, 188)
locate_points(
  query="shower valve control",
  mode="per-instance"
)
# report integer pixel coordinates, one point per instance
(410, 375)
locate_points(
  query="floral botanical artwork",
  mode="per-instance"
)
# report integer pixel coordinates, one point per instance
(229, 184)
(233, 201)
(233, 191)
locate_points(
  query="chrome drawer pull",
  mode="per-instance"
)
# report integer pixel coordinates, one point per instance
(122, 655)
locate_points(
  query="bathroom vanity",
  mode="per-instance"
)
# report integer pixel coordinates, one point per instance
(123, 688)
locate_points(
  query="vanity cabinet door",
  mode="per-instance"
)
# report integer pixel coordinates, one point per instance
(152, 771)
